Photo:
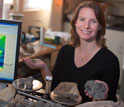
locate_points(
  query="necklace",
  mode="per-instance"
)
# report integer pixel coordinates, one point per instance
(80, 57)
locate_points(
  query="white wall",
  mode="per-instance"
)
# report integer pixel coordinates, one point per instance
(1, 8)
(115, 42)
(6, 8)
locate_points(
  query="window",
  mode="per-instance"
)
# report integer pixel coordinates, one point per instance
(37, 4)
(8, 1)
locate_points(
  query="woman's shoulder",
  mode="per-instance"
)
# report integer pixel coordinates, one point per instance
(108, 53)
(67, 47)
(66, 51)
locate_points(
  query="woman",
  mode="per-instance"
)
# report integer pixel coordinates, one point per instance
(87, 58)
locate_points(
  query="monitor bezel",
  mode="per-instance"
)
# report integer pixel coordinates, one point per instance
(19, 23)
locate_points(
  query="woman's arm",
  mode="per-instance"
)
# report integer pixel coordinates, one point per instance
(38, 64)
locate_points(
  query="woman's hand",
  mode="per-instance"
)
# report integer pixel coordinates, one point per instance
(38, 64)
(106, 92)
(35, 63)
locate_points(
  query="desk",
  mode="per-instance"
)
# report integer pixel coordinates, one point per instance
(44, 50)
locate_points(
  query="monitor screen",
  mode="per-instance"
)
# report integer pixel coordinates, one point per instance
(10, 33)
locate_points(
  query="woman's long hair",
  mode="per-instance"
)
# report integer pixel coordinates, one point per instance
(101, 20)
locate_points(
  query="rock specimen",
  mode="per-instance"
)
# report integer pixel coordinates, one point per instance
(25, 83)
(97, 90)
(67, 90)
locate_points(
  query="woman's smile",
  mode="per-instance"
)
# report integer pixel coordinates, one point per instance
(86, 31)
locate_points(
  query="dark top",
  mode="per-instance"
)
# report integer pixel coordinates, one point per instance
(103, 66)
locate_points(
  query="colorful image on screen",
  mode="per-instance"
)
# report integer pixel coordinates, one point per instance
(8, 50)
(2, 49)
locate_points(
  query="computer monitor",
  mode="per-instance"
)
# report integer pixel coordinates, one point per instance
(10, 34)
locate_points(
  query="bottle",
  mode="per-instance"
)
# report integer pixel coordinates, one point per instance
(42, 30)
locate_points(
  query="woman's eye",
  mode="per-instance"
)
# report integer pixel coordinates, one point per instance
(81, 19)
(94, 21)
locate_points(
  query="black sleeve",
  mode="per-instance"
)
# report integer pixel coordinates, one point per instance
(111, 75)
(113, 81)
(57, 68)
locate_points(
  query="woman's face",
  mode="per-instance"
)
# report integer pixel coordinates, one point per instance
(86, 24)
